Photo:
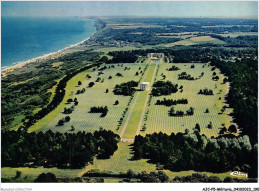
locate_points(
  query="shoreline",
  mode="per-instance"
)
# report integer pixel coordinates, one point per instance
(47, 56)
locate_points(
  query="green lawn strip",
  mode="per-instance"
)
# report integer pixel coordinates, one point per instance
(71, 86)
(136, 115)
(150, 73)
(130, 106)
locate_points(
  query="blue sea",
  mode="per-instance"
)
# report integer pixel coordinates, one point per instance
(25, 38)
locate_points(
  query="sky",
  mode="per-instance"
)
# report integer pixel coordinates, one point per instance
(131, 8)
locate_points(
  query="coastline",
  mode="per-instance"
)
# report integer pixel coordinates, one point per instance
(47, 56)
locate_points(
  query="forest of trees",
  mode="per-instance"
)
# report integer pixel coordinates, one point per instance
(179, 152)
(122, 57)
(126, 89)
(205, 91)
(243, 78)
(170, 102)
(173, 68)
(102, 110)
(164, 88)
(62, 150)
(185, 76)
(179, 113)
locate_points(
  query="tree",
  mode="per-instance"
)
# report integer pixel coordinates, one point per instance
(110, 77)
(69, 100)
(103, 59)
(225, 80)
(130, 173)
(210, 125)
(232, 129)
(107, 90)
(197, 127)
(46, 178)
(207, 110)
(79, 83)
(67, 118)
(190, 111)
(72, 128)
(172, 111)
(61, 122)
(91, 84)
(187, 131)
(18, 174)
(88, 76)
(136, 73)
(116, 102)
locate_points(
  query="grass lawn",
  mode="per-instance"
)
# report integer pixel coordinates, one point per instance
(136, 116)
(120, 162)
(158, 118)
(81, 119)
(70, 88)
(150, 73)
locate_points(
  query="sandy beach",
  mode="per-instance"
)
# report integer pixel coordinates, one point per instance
(48, 56)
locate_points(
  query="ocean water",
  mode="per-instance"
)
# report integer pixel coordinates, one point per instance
(24, 38)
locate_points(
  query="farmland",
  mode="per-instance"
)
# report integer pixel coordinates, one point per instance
(195, 41)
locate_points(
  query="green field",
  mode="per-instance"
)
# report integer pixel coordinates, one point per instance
(195, 41)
